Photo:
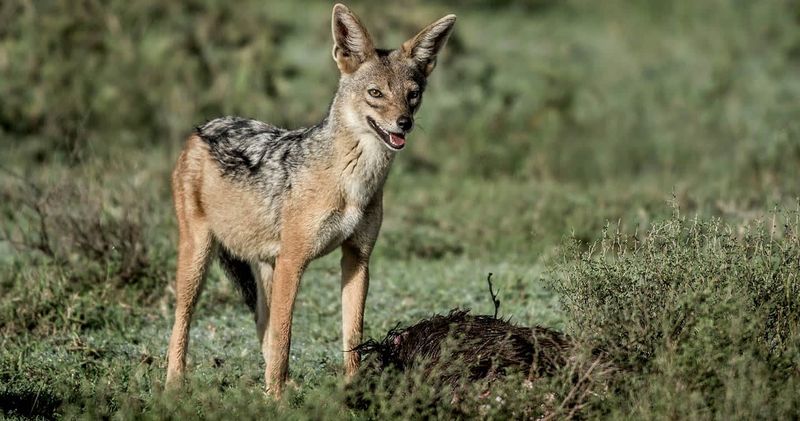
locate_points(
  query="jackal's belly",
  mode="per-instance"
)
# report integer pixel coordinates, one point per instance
(245, 223)
(256, 236)
(250, 233)
(251, 229)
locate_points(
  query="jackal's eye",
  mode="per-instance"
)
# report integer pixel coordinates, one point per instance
(413, 95)
(375, 93)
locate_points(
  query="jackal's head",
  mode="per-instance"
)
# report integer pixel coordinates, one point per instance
(381, 90)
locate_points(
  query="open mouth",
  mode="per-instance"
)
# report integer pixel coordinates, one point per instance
(395, 141)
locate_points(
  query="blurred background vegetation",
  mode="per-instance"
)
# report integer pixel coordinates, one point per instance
(545, 120)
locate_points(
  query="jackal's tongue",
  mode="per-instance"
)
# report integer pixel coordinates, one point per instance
(397, 140)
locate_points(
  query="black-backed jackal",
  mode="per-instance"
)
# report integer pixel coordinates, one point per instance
(268, 200)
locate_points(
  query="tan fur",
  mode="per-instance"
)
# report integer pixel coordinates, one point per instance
(194, 251)
(317, 217)
(334, 201)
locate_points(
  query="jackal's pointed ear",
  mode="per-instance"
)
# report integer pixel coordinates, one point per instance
(424, 47)
(352, 44)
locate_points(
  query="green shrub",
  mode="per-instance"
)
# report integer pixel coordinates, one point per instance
(702, 315)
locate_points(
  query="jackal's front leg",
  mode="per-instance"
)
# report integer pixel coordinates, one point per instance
(356, 252)
(355, 283)
(285, 282)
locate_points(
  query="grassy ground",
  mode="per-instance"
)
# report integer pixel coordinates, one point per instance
(627, 170)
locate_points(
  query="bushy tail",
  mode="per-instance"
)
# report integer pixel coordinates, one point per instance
(241, 274)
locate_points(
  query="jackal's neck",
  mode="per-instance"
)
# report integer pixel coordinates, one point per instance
(358, 157)
(348, 130)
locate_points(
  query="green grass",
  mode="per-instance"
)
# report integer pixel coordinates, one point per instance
(628, 170)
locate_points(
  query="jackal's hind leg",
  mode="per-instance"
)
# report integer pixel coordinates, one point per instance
(193, 259)
(264, 289)
(194, 253)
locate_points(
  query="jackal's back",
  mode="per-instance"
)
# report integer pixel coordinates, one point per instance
(252, 151)
(238, 173)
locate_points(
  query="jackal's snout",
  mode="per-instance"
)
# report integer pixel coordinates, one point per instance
(405, 123)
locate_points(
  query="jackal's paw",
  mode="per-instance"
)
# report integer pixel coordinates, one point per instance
(276, 391)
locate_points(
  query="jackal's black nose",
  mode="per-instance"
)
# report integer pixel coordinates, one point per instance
(405, 123)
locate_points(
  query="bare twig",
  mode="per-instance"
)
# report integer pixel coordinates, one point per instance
(573, 394)
(493, 294)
